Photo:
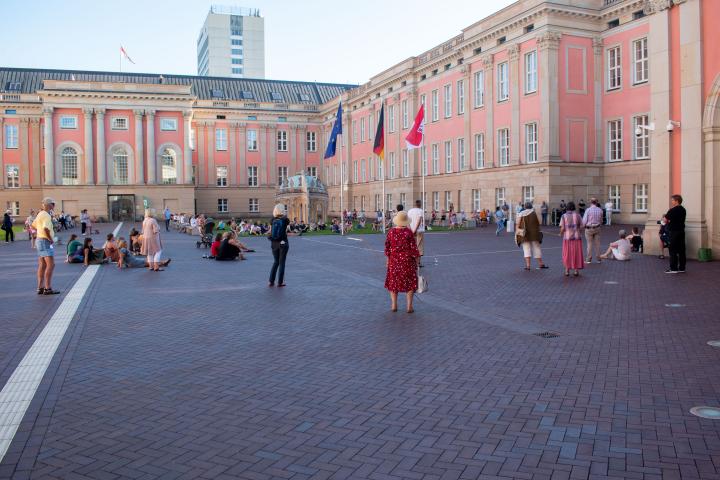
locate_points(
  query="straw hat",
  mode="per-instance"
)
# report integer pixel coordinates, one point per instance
(401, 219)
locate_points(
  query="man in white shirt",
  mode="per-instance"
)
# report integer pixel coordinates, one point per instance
(608, 212)
(619, 249)
(416, 216)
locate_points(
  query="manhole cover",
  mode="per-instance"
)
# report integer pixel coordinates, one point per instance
(674, 305)
(547, 334)
(712, 413)
(611, 282)
(714, 343)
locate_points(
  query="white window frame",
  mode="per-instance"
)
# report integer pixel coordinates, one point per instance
(253, 205)
(448, 200)
(168, 172)
(476, 199)
(391, 118)
(312, 171)
(424, 160)
(448, 156)
(531, 72)
(220, 139)
(641, 143)
(11, 136)
(282, 140)
(282, 174)
(614, 197)
(435, 106)
(356, 171)
(388, 202)
(252, 140)
(70, 174)
(311, 141)
(641, 65)
(121, 174)
(615, 140)
(124, 123)
(68, 122)
(168, 124)
(479, 79)
(362, 129)
(221, 175)
(252, 176)
(480, 150)
(436, 200)
(460, 87)
(12, 176)
(222, 205)
(614, 68)
(447, 100)
(405, 115)
(503, 86)
(504, 146)
(461, 153)
(391, 160)
(500, 198)
(363, 171)
(435, 150)
(531, 143)
(14, 207)
(377, 202)
(640, 197)
(405, 163)
(528, 192)
(354, 132)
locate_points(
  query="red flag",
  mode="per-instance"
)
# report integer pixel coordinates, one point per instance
(415, 138)
(124, 53)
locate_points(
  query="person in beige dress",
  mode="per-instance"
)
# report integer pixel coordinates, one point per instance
(151, 244)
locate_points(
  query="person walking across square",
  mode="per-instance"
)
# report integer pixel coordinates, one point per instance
(592, 221)
(676, 232)
(167, 216)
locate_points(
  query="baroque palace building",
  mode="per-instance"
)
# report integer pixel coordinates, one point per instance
(561, 100)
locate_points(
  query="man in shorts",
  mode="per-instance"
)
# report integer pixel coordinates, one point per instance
(45, 247)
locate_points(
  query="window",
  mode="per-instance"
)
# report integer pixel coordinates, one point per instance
(236, 61)
(388, 202)
(614, 73)
(363, 171)
(500, 197)
(479, 79)
(282, 142)
(14, 207)
(13, 176)
(276, 96)
(253, 205)
(169, 172)
(356, 173)
(436, 200)
(192, 138)
(405, 164)
(461, 153)
(391, 118)
(222, 205)
(217, 93)
(221, 174)
(119, 123)
(641, 197)
(423, 159)
(236, 41)
(504, 146)
(311, 141)
(640, 61)
(13, 86)
(475, 199)
(480, 150)
(252, 140)
(528, 194)
(380, 171)
(120, 166)
(641, 148)
(194, 174)
(461, 97)
(354, 132)
(614, 196)
(236, 51)
(11, 136)
(377, 202)
(371, 124)
(614, 140)
(403, 199)
(435, 106)
(220, 139)
(503, 88)
(436, 158)
(362, 129)
(168, 124)
(312, 171)
(237, 70)
(448, 200)
(613, 23)
(447, 98)
(405, 115)
(247, 95)
(68, 121)
(282, 175)
(391, 159)
(423, 100)
(69, 166)
(531, 72)
(253, 176)
(531, 143)
(448, 157)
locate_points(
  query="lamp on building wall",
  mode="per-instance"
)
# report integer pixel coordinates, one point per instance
(671, 125)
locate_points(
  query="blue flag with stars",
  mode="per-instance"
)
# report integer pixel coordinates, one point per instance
(337, 130)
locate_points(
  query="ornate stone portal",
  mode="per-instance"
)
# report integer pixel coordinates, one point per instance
(304, 197)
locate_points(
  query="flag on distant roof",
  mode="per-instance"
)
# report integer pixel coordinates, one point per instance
(337, 130)
(124, 54)
(415, 138)
(379, 146)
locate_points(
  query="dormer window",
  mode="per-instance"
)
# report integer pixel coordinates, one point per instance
(13, 86)
(276, 96)
(247, 95)
(303, 97)
(217, 93)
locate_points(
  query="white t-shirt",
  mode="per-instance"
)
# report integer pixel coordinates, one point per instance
(416, 217)
(622, 251)
(609, 206)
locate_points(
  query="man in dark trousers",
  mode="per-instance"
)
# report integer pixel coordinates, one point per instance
(676, 231)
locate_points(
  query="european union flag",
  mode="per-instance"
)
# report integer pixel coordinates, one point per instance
(337, 130)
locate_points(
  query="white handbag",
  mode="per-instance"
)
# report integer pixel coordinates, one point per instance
(422, 283)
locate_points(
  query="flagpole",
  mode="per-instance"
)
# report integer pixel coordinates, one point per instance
(384, 167)
(120, 58)
(342, 187)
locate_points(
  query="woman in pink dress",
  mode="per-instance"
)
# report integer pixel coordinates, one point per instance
(151, 244)
(402, 261)
(572, 248)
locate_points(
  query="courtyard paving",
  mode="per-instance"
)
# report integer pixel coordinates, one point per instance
(203, 372)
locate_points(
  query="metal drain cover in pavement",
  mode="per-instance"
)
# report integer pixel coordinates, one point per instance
(547, 334)
(674, 305)
(712, 413)
(610, 282)
(714, 343)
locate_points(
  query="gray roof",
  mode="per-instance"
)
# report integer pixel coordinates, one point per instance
(31, 80)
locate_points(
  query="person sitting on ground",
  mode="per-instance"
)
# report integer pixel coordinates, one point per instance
(93, 256)
(636, 240)
(483, 218)
(111, 249)
(74, 250)
(215, 246)
(619, 249)
(229, 248)
(335, 228)
(135, 240)
(128, 260)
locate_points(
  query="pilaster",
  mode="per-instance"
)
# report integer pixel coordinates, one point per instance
(2, 147)
(514, 66)
(100, 139)
(200, 139)
(212, 147)
(49, 146)
(151, 156)
(24, 150)
(232, 145)
(488, 67)
(598, 96)
(187, 151)
(262, 140)
(35, 161)
(242, 150)
(88, 147)
(548, 46)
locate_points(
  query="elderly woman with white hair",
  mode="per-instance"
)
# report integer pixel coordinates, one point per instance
(279, 244)
(151, 243)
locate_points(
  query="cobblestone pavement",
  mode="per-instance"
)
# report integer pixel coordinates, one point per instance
(203, 372)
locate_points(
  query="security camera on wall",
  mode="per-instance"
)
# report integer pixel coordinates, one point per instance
(638, 132)
(670, 127)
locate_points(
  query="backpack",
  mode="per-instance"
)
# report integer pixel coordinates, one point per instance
(276, 232)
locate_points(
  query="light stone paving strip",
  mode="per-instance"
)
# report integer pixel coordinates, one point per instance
(20, 389)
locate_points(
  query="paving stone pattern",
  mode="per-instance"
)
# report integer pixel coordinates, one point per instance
(203, 372)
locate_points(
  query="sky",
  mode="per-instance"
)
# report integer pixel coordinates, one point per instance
(323, 40)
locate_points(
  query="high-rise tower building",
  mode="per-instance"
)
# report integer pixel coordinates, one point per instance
(232, 43)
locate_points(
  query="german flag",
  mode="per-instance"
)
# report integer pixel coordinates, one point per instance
(379, 146)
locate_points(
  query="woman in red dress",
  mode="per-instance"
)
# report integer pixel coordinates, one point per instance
(402, 261)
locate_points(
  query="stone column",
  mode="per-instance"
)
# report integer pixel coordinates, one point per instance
(2, 147)
(139, 147)
(598, 78)
(49, 146)
(548, 45)
(35, 161)
(187, 151)
(515, 133)
(89, 157)
(232, 145)
(24, 150)
(100, 139)
(151, 156)
(242, 150)
(489, 100)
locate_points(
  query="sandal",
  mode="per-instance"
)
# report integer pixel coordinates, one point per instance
(393, 309)
(576, 274)
(50, 291)
(526, 268)
(41, 291)
(567, 273)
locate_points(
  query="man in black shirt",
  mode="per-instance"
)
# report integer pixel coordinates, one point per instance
(676, 231)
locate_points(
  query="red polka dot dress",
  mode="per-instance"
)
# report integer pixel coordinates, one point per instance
(402, 252)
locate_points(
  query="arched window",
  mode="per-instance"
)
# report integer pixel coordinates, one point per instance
(169, 173)
(69, 166)
(120, 166)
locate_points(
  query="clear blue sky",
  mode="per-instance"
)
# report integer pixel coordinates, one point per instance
(323, 40)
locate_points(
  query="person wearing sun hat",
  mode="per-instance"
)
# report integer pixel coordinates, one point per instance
(402, 261)
(45, 245)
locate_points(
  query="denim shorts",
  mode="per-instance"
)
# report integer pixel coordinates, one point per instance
(44, 248)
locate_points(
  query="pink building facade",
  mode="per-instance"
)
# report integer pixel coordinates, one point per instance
(614, 99)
